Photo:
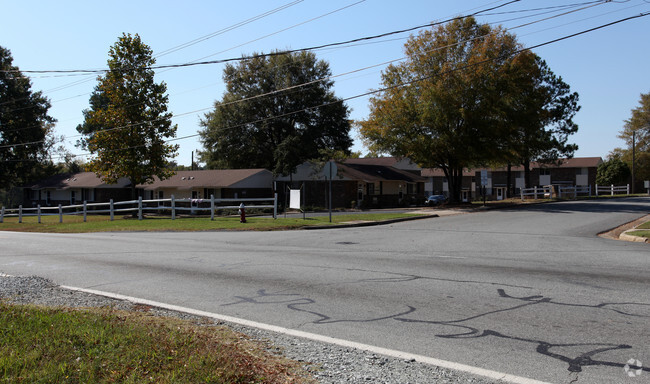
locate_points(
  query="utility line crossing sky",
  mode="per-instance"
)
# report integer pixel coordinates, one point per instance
(608, 67)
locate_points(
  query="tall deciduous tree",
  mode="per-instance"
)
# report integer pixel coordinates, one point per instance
(468, 96)
(637, 127)
(277, 112)
(128, 123)
(440, 106)
(538, 109)
(25, 127)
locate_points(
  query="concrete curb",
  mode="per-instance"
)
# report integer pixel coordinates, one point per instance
(636, 239)
(369, 223)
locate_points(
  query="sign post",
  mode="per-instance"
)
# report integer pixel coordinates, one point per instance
(330, 171)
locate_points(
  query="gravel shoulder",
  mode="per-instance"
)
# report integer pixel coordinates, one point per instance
(327, 363)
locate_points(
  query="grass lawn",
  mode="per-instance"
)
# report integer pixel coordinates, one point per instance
(642, 230)
(75, 224)
(54, 345)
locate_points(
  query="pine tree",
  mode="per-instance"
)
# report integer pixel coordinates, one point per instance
(128, 123)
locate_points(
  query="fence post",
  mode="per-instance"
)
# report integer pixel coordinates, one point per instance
(275, 206)
(173, 208)
(596, 190)
(38, 213)
(612, 190)
(521, 191)
(85, 210)
(211, 207)
(60, 214)
(535, 193)
(20, 213)
(140, 208)
(628, 189)
(589, 190)
(112, 212)
(2, 214)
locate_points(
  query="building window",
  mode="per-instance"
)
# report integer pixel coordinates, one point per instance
(48, 197)
(409, 189)
(87, 194)
(544, 172)
(207, 192)
(371, 188)
(73, 197)
(161, 195)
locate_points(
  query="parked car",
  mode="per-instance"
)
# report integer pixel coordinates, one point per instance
(434, 200)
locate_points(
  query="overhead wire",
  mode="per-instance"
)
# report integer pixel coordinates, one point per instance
(303, 49)
(371, 92)
(192, 112)
(257, 96)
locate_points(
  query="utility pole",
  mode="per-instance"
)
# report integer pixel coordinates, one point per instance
(633, 158)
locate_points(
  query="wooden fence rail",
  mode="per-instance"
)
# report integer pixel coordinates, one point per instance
(140, 206)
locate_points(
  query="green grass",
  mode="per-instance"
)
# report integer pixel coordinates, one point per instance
(75, 224)
(49, 345)
(642, 230)
(645, 225)
(645, 234)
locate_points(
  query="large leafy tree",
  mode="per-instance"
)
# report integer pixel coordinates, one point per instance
(537, 109)
(25, 128)
(467, 96)
(127, 125)
(278, 111)
(440, 106)
(637, 128)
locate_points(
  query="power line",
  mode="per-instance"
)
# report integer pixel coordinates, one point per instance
(466, 67)
(227, 29)
(221, 61)
(300, 85)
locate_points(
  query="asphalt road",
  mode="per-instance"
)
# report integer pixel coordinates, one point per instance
(529, 291)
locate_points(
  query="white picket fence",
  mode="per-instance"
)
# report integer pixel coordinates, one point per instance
(537, 192)
(176, 206)
(569, 191)
(612, 190)
(572, 192)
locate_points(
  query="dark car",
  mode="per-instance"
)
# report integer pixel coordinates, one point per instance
(435, 200)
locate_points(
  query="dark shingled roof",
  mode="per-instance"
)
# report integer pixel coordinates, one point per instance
(77, 180)
(214, 178)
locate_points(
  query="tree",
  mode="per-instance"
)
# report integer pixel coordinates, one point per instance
(538, 109)
(128, 122)
(612, 171)
(467, 96)
(278, 111)
(637, 127)
(26, 129)
(440, 107)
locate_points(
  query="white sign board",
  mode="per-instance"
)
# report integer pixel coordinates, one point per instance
(294, 199)
(647, 183)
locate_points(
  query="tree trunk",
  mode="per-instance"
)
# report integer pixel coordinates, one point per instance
(526, 164)
(455, 182)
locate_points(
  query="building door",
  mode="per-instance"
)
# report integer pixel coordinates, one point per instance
(500, 193)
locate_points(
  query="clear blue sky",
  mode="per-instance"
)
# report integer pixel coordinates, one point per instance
(609, 68)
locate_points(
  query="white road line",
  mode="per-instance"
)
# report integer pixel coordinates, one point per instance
(499, 376)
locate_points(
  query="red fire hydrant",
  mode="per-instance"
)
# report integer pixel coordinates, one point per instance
(242, 213)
